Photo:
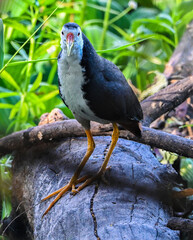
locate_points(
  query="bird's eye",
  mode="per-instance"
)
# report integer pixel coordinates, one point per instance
(79, 34)
(62, 33)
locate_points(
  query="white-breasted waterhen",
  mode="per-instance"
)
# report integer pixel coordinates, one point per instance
(95, 90)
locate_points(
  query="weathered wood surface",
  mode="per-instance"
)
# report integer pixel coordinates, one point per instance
(134, 205)
(180, 64)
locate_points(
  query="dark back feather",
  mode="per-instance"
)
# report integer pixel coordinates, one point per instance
(108, 93)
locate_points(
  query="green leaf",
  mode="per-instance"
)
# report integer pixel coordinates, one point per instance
(7, 77)
(165, 16)
(1, 44)
(159, 37)
(186, 125)
(24, 112)
(122, 47)
(2, 69)
(46, 48)
(52, 73)
(15, 8)
(8, 94)
(111, 39)
(37, 82)
(154, 25)
(49, 96)
(120, 15)
(6, 105)
(184, 8)
(6, 207)
(22, 51)
(16, 26)
(185, 19)
(31, 61)
(14, 110)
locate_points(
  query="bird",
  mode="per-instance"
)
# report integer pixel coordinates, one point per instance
(94, 89)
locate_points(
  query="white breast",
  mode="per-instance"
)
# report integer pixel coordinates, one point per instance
(71, 80)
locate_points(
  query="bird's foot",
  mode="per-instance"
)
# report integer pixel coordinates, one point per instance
(86, 180)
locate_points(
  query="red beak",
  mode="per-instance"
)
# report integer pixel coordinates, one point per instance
(69, 42)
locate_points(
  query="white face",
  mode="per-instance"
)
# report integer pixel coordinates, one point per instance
(71, 41)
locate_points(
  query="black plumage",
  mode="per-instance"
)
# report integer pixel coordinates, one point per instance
(108, 94)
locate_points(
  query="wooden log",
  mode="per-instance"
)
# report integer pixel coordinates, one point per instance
(166, 99)
(135, 204)
(180, 64)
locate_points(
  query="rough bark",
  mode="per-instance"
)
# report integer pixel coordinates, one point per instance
(181, 64)
(167, 99)
(134, 205)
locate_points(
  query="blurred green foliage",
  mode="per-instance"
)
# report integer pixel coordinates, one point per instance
(186, 170)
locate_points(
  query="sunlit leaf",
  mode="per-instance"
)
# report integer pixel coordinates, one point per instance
(184, 7)
(8, 78)
(24, 112)
(8, 94)
(185, 19)
(11, 22)
(6, 105)
(37, 82)
(31, 61)
(165, 16)
(46, 48)
(52, 73)
(14, 111)
(49, 96)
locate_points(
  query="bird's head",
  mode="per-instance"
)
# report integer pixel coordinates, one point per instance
(71, 39)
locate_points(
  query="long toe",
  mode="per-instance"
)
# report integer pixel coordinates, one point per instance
(60, 192)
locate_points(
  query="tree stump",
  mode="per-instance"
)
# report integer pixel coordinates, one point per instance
(132, 203)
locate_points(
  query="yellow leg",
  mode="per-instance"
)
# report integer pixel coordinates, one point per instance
(74, 180)
(115, 137)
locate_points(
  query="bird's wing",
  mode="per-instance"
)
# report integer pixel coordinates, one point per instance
(109, 95)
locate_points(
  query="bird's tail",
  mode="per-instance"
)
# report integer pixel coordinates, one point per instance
(134, 127)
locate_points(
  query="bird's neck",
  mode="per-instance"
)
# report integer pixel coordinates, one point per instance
(89, 54)
(75, 56)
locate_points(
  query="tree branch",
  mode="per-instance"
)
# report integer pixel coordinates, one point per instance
(69, 128)
(166, 99)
